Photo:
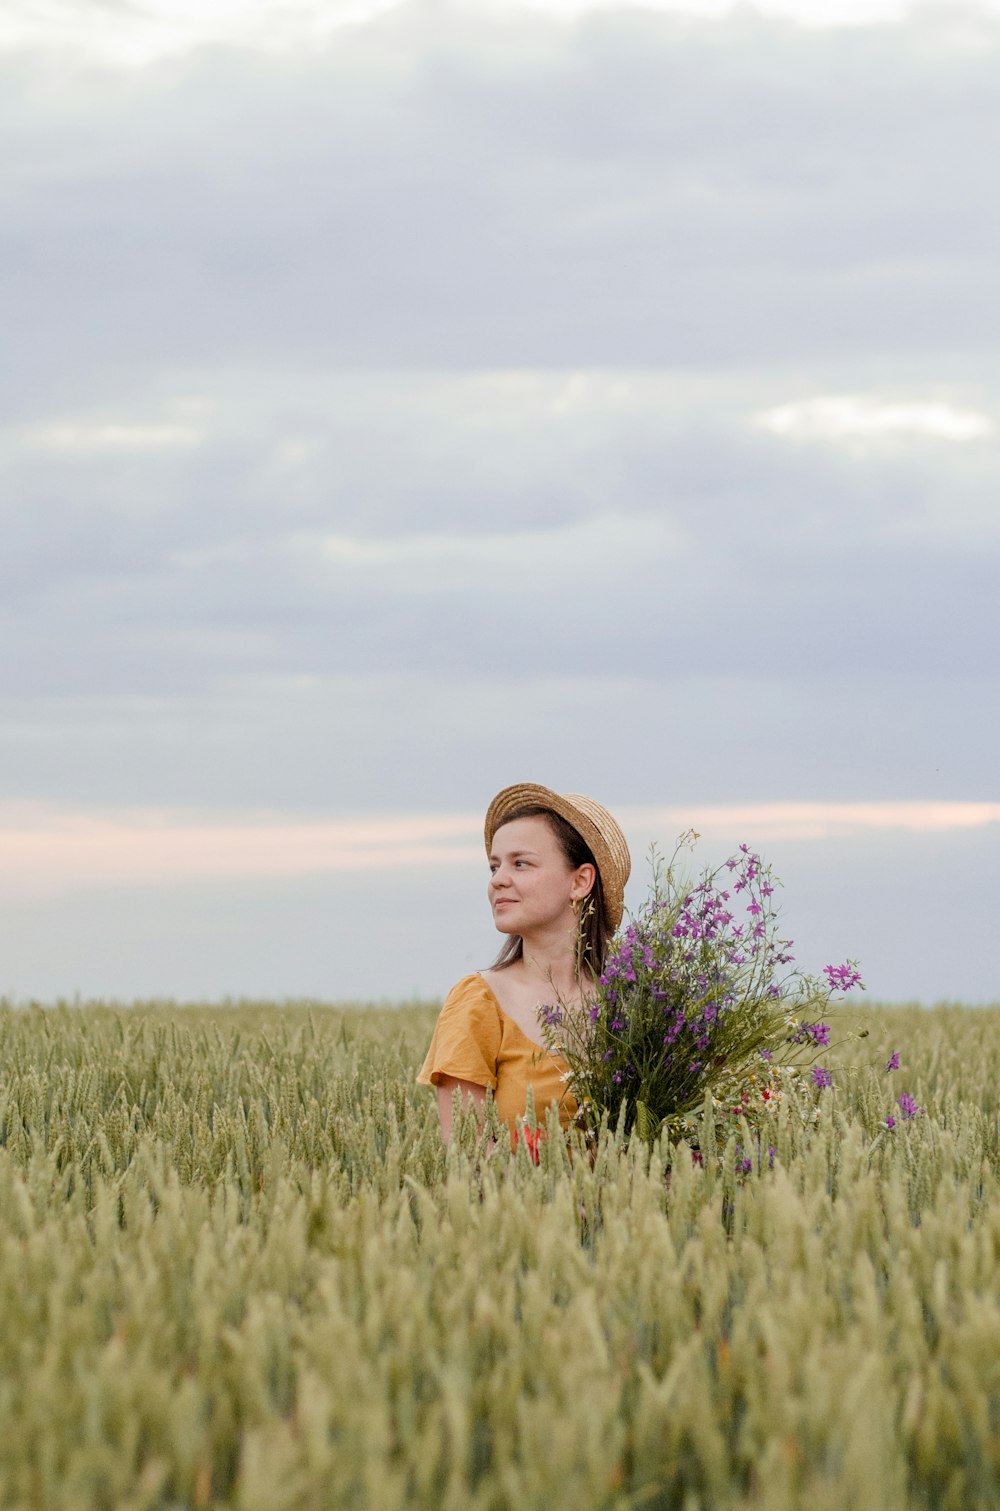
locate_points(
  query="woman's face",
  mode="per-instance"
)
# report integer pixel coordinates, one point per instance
(532, 884)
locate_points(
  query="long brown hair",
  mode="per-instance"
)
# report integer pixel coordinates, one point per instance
(595, 936)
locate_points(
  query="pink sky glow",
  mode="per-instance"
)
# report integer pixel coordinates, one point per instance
(49, 850)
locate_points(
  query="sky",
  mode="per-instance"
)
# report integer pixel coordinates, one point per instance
(403, 400)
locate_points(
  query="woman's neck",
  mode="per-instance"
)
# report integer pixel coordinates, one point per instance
(554, 964)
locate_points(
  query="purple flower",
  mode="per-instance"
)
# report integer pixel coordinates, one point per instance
(893, 1063)
(767, 1054)
(908, 1107)
(890, 1121)
(812, 1033)
(821, 1078)
(772, 1155)
(552, 1016)
(842, 978)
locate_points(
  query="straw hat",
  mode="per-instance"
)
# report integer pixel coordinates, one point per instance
(593, 823)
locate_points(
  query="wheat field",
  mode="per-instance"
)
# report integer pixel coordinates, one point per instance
(238, 1269)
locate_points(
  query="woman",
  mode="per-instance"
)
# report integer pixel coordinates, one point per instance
(558, 868)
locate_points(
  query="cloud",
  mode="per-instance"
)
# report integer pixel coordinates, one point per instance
(633, 523)
(379, 428)
(144, 32)
(108, 437)
(819, 14)
(818, 821)
(474, 190)
(470, 315)
(870, 417)
(444, 737)
(515, 560)
(137, 34)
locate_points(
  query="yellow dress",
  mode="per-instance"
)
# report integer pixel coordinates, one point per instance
(474, 1040)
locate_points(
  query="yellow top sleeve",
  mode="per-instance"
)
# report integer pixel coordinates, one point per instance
(467, 1037)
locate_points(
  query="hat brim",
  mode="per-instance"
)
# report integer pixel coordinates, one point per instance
(593, 823)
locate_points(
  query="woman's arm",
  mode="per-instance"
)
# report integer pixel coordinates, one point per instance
(471, 1095)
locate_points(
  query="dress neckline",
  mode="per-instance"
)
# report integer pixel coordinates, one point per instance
(542, 1048)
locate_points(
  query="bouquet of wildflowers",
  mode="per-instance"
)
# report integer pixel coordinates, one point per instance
(698, 1000)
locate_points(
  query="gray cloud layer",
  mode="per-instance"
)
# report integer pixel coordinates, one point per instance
(378, 425)
(465, 529)
(436, 189)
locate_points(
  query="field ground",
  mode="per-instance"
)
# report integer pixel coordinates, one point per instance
(238, 1270)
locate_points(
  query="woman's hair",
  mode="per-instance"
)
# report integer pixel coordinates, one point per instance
(594, 932)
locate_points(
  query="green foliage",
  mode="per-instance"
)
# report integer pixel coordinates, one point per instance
(238, 1269)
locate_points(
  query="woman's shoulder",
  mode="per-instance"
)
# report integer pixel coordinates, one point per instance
(467, 1036)
(471, 994)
